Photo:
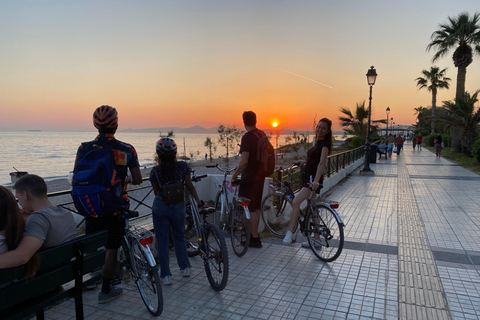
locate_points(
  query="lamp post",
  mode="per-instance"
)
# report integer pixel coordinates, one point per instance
(371, 77)
(388, 112)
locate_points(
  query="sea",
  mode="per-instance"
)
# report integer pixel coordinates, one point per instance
(51, 155)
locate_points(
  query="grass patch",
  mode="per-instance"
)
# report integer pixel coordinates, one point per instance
(459, 158)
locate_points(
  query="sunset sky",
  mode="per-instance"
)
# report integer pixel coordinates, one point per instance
(186, 63)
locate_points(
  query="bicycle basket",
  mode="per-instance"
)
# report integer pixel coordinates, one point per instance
(142, 235)
(333, 204)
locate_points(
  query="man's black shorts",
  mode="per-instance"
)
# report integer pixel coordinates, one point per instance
(115, 225)
(252, 190)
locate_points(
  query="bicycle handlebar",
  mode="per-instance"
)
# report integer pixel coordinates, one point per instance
(221, 169)
(198, 178)
(293, 165)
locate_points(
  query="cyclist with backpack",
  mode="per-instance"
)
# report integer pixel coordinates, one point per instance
(168, 210)
(312, 172)
(99, 189)
(256, 161)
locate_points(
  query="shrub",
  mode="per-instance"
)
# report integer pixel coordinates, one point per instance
(447, 140)
(356, 142)
(429, 139)
(476, 150)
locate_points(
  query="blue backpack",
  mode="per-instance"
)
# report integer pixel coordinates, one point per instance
(96, 186)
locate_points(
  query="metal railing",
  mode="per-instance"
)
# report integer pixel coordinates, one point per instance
(335, 163)
(141, 196)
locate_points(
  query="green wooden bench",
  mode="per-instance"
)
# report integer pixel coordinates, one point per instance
(60, 265)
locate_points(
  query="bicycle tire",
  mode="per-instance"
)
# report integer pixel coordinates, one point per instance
(146, 278)
(218, 210)
(324, 233)
(239, 230)
(215, 257)
(276, 211)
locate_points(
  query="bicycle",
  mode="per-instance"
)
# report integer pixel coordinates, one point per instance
(210, 244)
(276, 207)
(319, 222)
(139, 260)
(233, 215)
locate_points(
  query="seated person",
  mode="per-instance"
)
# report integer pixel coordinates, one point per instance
(382, 149)
(47, 225)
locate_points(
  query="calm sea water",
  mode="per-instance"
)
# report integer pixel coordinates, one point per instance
(52, 154)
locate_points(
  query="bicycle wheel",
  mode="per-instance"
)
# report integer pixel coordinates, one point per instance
(276, 212)
(215, 257)
(239, 230)
(324, 233)
(146, 278)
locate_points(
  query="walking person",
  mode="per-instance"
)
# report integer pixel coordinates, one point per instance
(414, 141)
(312, 172)
(399, 143)
(419, 141)
(438, 145)
(168, 179)
(390, 143)
(251, 185)
(105, 119)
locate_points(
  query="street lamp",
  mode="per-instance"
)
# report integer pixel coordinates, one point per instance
(371, 77)
(388, 112)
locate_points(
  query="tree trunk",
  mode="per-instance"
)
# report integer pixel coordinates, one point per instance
(456, 134)
(434, 108)
(461, 78)
(457, 131)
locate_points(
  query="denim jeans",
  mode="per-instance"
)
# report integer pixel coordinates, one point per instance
(166, 218)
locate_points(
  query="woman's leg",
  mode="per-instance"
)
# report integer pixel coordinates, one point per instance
(177, 220)
(161, 225)
(297, 201)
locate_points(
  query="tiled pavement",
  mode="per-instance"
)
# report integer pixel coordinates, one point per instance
(412, 252)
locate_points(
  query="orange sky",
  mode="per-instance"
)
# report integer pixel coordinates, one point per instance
(176, 63)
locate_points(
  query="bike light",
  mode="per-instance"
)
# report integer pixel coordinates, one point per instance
(245, 203)
(334, 205)
(146, 241)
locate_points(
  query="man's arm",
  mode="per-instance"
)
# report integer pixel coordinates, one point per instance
(136, 175)
(241, 165)
(25, 250)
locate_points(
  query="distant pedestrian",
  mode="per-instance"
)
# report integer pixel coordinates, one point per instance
(419, 141)
(414, 141)
(399, 144)
(438, 145)
(390, 143)
(206, 156)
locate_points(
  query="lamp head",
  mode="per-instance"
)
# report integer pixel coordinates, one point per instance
(371, 76)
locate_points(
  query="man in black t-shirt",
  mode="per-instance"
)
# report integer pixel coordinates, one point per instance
(251, 186)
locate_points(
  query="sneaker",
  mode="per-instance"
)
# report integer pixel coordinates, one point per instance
(186, 272)
(288, 238)
(167, 280)
(255, 243)
(112, 295)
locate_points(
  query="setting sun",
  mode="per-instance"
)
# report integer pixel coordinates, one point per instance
(274, 124)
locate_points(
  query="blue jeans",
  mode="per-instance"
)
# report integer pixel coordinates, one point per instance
(166, 218)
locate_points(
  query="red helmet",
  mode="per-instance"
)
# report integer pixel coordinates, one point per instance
(105, 118)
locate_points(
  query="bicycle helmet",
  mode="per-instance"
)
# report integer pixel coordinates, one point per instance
(105, 118)
(166, 146)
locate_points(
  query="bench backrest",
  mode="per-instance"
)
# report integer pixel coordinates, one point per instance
(58, 265)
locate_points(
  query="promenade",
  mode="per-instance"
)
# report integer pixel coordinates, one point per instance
(412, 251)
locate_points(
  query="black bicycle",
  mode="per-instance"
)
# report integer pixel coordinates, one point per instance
(208, 241)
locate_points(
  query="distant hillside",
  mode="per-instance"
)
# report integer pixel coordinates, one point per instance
(200, 130)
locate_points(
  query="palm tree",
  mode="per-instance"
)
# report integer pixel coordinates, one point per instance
(462, 113)
(422, 114)
(357, 124)
(461, 32)
(433, 80)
